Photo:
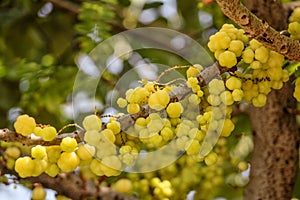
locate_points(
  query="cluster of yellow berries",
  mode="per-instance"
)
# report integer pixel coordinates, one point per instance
(26, 125)
(185, 123)
(113, 150)
(157, 99)
(265, 73)
(228, 44)
(261, 67)
(176, 180)
(192, 124)
(51, 160)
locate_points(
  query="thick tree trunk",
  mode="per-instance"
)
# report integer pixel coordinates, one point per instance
(274, 160)
(271, 11)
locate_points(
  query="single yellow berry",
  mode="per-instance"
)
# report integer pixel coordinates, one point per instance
(49, 133)
(233, 83)
(262, 54)
(108, 135)
(237, 94)
(92, 122)
(227, 59)
(68, 144)
(24, 125)
(24, 166)
(38, 131)
(159, 100)
(85, 152)
(228, 127)
(12, 152)
(192, 71)
(133, 108)
(68, 161)
(236, 46)
(114, 126)
(123, 185)
(38, 152)
(174, 110)
(248, 55)
(211, 158)
(52, 170)
(122, 103)
(38, 193)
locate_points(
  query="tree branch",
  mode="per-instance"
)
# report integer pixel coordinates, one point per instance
(127, 120)
(260, 29)
(72, 186)
(76, 187)
(66, 5)
(11, 136)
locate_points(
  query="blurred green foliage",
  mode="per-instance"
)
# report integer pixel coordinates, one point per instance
(40, 42)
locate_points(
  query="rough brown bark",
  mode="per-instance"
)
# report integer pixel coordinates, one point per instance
(274, 161)
(276, 134)
(275, 155)
(270, 11)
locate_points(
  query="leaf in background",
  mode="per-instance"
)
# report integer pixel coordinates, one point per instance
(292, 68)
(95, 24)
(155, 4)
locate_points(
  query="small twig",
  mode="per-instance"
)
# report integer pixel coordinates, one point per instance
(175, 80)
(168, 70)
(69, 125)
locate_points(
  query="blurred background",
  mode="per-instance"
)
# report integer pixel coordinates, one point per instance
(42, 44)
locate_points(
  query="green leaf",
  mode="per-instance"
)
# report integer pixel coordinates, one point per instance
(293, 68)
(155, 4)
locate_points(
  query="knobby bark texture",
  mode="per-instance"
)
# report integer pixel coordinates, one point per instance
(270, 11)
(274, 161)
